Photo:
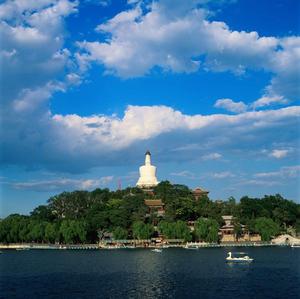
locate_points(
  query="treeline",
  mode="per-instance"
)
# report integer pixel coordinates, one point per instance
(84, 217)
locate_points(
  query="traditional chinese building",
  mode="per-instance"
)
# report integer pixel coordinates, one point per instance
(155, 206)
(198, 193)
(227, 232)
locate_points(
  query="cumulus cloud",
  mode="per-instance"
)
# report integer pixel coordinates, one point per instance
(63, 184)
(61, 140)
(145, 122)
(178, 37)
(230, 105)
(32, 49)
(137, 40)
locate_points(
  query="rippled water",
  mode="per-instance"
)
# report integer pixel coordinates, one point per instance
(174, 273)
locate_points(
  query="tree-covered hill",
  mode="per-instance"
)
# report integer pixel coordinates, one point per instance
(80, 216)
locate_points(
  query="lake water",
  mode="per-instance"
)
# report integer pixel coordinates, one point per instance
(174, 273)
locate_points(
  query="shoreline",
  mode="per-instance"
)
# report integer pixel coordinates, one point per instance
(30, 246)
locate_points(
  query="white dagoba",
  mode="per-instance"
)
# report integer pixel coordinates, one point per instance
(147, 174)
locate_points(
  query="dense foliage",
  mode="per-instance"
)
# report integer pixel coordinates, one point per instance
(79, 216)
(206, 229)
(175, 230)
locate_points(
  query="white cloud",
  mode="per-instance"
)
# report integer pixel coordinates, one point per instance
(260, 182)
(12, 9)
(269, 100)
(60, 140)
(32, 49)
(33, 136)
(63, 184)
(285, 172)
(174, 35)
(230, 105)
(279, 153)
(145, 122)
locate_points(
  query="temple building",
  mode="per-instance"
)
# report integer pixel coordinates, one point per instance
(155, 206)
(147, 179)
(198, 193)
(227, 232)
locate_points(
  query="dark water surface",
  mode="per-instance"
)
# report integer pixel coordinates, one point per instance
(174, 273)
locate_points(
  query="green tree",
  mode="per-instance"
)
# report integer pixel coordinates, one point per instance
(237, 228)
(42, 213)
(51, 234)
(213, 231)
(66, 231)
(168, 229)
(206, 229)
(37, 230)
(201, 228)
(267, 228)
(120, 233)
(142, 231)
(73, 231)
(175, 230)
(183, 231)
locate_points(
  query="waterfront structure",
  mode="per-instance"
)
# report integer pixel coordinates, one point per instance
(147, 179)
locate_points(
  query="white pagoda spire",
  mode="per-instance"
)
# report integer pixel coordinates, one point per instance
(147, 177)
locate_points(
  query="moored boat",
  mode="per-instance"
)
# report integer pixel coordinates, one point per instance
(191, 246)
(157, 250)
(295, 245)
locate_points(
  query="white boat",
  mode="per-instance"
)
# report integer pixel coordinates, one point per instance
(165, 246)
(191, 245)
(157, 250)
(240, 257)
(295, 245)
(22, 248)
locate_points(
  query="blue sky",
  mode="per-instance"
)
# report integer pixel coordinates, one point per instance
(211, 88)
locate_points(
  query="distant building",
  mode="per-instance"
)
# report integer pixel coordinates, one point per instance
(227, 232)
(155, 206)
(147, 179)
(198, 193)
